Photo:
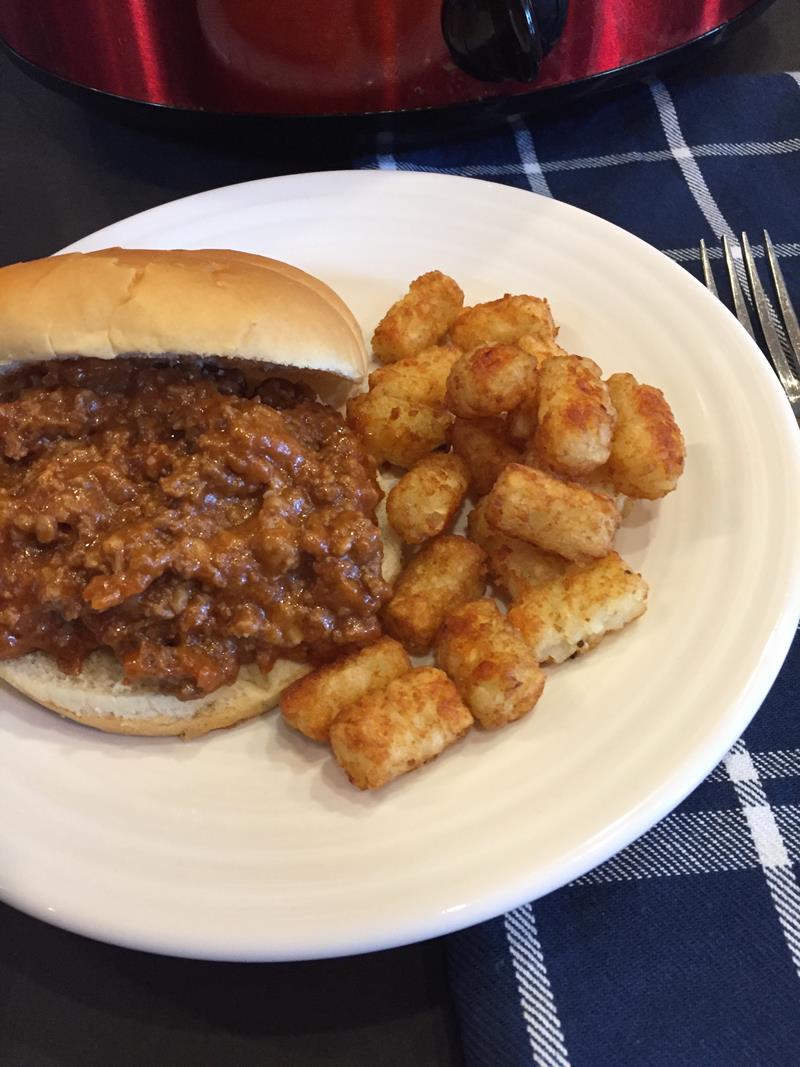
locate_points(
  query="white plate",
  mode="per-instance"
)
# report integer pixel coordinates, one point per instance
(249, 844)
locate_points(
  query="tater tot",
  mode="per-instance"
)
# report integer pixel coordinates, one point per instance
(559, 517)
(397, 431)
(572, 614)
(503, 321)
(389, 732)
(647, 450)
(515, 566)
(481, 445)
(490, 380)
(312, 703)
(420, 379)
(445, 573)
(427, 498)
(496, 674)
(576, 416)
(419, 319)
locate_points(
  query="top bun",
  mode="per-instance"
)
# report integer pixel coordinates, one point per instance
(211, 303)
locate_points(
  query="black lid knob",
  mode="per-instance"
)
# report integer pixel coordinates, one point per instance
(501, 40)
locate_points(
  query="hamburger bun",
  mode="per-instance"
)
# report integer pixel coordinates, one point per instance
(208, 303)
(212, 303)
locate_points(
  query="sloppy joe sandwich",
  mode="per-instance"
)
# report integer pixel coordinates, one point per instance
(184, 527)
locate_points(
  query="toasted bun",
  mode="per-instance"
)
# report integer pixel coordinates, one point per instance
(98, 697)
(211, 303)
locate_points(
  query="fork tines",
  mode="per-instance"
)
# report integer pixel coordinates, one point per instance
(739, 282)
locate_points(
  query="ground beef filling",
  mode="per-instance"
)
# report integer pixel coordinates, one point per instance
(187, 518)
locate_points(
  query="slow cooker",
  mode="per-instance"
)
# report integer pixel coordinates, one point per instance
(311, 58)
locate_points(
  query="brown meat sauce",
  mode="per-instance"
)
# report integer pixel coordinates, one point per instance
(188, 518)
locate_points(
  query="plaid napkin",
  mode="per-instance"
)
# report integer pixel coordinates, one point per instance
(685, 947)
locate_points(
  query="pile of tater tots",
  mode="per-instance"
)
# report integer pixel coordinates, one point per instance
(484, 412)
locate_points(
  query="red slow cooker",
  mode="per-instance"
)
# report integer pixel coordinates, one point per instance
(311, 57)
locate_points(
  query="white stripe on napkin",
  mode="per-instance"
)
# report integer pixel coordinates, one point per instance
(536, 997)
(527, 154)
(769, 843)
(658, 155)
(697, 842)
(779, 763)
(718, 150)
(686, 161)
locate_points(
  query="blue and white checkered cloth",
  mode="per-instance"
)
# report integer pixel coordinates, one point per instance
(684, 949)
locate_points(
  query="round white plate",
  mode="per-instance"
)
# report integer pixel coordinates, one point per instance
(250, 844)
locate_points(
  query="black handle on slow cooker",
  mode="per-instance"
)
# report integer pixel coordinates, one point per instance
(502, 40)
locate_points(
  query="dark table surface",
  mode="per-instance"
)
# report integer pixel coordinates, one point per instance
(66, 171)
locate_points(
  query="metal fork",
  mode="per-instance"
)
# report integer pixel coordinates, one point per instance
(789, 378)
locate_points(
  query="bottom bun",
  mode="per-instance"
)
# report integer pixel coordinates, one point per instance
(98, 697)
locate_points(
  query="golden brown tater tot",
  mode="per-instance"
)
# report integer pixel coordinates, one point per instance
(427, 498)
(397, 729)
(572, 614)
(420, 379)
(576, 416)
(445, 573)
(419, 319)
(495, 672)
(397, 431)
(503, 321)
(647, 450)
(490, 380)
(559, 517)
(312, 703)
